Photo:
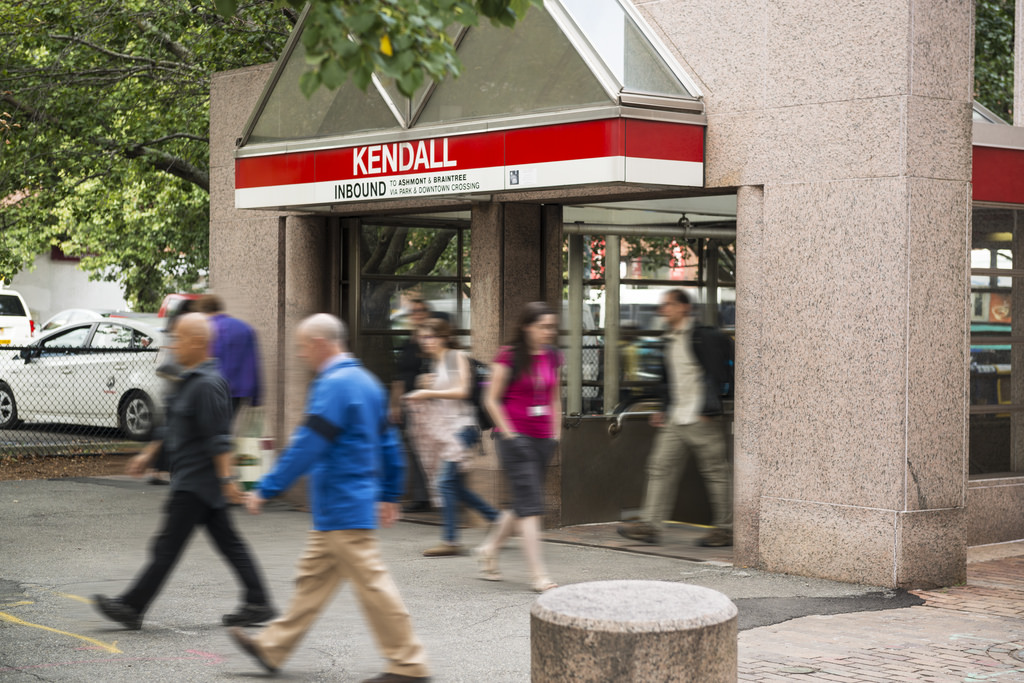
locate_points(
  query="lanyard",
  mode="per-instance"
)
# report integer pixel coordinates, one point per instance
(538, 380)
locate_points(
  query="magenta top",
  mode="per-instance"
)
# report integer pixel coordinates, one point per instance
(527, 400)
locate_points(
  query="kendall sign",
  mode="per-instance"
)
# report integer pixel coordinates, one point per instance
(590, 152)
(400, 157)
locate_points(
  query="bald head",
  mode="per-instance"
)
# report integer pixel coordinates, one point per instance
(325, 326)
(191, 339)
(319, 338)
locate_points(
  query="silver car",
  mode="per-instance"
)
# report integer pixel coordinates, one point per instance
(99, 373)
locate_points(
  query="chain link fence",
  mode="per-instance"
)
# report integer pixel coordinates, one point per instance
(73, 400)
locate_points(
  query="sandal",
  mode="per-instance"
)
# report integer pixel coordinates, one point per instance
(488, 563)
(543, 584)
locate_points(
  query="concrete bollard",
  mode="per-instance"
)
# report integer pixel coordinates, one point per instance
(622, 631)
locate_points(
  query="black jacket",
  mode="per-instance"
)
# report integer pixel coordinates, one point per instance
(712, 349)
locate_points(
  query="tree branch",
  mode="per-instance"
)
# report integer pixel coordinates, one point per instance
(119, 55)
(172, 46)
(169, 163)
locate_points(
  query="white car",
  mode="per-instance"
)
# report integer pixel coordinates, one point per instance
(68, 316)
(16, 325)
(100, 373)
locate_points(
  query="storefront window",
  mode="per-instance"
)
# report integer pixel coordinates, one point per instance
(399, 267)
(647, 267)
(996, 419)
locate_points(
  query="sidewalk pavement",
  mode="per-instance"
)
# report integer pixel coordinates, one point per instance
(62, 541)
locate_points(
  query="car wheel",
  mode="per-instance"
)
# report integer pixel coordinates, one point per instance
(8, 408)
(136, 416)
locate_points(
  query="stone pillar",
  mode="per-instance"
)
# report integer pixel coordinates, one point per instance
(633, 631)
(244, 245)
(271, 270)
(752, 307)
(513, 263)
(854, 121)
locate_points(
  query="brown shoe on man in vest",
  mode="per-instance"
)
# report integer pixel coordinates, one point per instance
(639, 531)
(718, 538)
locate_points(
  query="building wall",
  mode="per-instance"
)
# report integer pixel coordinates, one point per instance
(848, 130)
(270, 269)
(55, 285)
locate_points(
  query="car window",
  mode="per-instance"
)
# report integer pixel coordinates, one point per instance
(70, 339)
(114, 336)
(111, 336)
(11, 305)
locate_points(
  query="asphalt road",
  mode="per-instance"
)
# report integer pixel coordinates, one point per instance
(63, 541)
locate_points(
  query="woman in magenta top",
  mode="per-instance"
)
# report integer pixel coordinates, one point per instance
(524, 402)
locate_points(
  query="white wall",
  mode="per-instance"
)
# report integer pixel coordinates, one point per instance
(54, 285)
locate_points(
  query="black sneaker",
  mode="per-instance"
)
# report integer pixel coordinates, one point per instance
(250, 615)
(116, 610)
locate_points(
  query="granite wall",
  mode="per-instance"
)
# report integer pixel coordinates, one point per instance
(847, 129)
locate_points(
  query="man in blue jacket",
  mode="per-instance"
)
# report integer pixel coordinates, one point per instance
(351, 453)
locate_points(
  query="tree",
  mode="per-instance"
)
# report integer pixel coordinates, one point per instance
(110, 156)
(105, 106)
(406, 40)
(993, 56)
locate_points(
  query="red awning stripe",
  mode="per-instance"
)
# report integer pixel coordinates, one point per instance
(543, 144)
(998, 175)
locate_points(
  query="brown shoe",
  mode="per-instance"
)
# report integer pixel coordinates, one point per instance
(443, 550)
(639, 531)
(243, 641)
(718, 538)
(396, 678)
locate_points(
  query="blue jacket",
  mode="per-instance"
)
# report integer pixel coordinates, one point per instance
(347, 446)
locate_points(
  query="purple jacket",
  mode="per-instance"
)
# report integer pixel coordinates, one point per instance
(234, 347)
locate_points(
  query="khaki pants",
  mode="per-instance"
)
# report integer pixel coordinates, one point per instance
(672, 447)
(330, 558)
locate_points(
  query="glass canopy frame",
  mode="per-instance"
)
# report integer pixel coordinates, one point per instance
(608, 59)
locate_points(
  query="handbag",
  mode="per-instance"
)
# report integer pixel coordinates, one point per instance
(253, 452)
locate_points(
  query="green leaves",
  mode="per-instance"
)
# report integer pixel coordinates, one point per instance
(993, 56)
(406, 40)
(108, 105)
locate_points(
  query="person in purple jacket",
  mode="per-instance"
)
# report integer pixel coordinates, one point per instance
(234, 347)
(355, 464)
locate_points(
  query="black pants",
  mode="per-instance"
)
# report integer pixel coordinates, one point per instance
(184, 512)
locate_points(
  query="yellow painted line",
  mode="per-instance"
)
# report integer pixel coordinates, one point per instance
(18, 604)
(108, 647)
(79, 598)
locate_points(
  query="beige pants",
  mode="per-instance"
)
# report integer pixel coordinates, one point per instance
(672, 447)
(330, 558)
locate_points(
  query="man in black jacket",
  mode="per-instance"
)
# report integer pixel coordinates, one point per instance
(198, 442)
(695, 362)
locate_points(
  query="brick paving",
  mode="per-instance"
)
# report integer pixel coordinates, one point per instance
(973, 632)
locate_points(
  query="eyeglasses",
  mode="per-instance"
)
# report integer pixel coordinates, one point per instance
(420, 310)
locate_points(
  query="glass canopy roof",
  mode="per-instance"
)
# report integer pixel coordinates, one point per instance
(571, 57)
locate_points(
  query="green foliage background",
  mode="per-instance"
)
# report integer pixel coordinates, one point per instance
(993, 56)
(104, 111)
(107, 153)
